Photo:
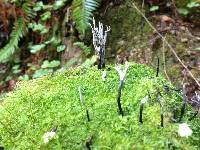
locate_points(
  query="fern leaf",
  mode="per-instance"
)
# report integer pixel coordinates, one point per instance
(26, 7)
(82, 13)
(17, 33)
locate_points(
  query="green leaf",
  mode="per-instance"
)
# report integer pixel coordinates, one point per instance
(53, 41)
(82, 13)
(17, 33)
(40, 73)
(84, 47)
(45, 16)
(38, 27)
(2, 82)
(24, 77)
(89, 62)
(2, 71)
(58, 4)
(38, 6)
(36, 48)
(8, 78)
(61, 48)
(154, 8)
(193, 4)
(31, 66)
(197, 49)
(183, 11)
(51, 64)
(15, 67)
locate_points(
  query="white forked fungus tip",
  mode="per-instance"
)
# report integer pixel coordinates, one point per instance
(104, 76)
(121, 72)
(48, 136)
(144, 100)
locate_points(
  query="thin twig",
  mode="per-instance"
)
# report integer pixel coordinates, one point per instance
(167, 43)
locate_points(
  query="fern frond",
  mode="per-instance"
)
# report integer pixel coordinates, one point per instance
(26, 7)
(82, 13)
(17, 33)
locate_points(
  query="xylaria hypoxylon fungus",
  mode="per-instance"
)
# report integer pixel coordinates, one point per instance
(104, 75)
(99, 42)
(122, 74)
(184, 100)
(142, 102)
(83, 103)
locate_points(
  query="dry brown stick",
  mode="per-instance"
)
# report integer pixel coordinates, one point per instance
(167, 43)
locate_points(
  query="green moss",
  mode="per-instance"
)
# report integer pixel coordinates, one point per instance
(37, 106)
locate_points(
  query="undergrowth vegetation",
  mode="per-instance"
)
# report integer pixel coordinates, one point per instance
(52, 103)
(28, 13)
(34, 32)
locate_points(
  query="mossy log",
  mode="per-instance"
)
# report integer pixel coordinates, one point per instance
(52, 102)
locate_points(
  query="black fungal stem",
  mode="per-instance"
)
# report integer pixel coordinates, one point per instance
(161, 116)
(141, 110)
(149, 95)
(101, 63)
(119, 98)
(122, 74)
(83, 103)
(142, 102)
(88, 143)
(174, 115)
(191, 118)
(184, 99)
(182, 110)
(1, 148)
(158, 66)
(161, 109)
(87, 113)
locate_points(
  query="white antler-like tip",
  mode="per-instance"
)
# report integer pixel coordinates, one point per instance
(121, 72)
(108, 28)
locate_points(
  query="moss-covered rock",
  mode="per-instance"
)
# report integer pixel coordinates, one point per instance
(38, 106)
